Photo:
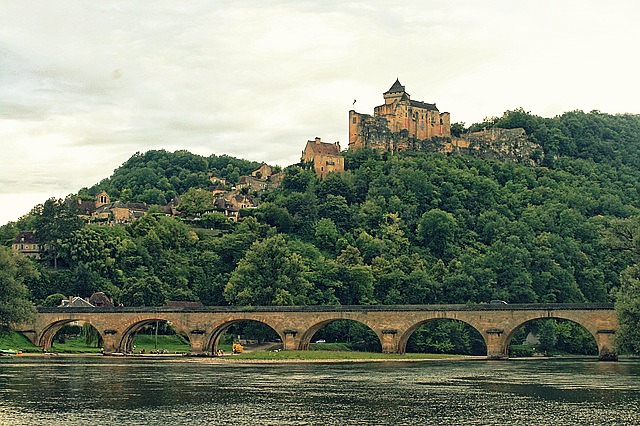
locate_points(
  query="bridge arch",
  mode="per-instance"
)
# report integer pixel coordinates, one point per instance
(308, 334)
(509, 336)
(212, 340)
(125, 343)
(404, 338)
(49, 331)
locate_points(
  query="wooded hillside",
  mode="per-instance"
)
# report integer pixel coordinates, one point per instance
(413, 227)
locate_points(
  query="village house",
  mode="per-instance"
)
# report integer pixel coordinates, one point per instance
(252, 183)
(231, 203)
(325, 157)
(75, 302)
(97, 300)
(102, 209)
(263, 172)
(261, 179)
(25, 243)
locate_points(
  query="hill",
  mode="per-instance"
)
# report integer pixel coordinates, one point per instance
(410, 227)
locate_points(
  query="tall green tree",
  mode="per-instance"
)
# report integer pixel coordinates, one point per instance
(628, 310)
(15, 305)
(55, 221)
(269, 274)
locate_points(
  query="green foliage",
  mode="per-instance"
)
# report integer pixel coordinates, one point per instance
(196, 201)
(91, 336)
(628, 310)
(157, 177)
(521, 351)
(54, 221)
(353, 335)
(54, 300)
(15, 305)
(269, 274)
(446, 336)
(410, 227)
(553, 337)
(11, 340)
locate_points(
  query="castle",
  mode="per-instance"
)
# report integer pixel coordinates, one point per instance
(397, 122)
(403, 124)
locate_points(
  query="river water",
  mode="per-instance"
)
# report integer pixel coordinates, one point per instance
(143, 391)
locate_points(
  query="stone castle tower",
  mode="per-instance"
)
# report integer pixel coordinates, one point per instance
(397, 122)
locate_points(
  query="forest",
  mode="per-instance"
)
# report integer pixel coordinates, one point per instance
(394, 228)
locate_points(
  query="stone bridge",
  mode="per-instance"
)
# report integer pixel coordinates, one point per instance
(296, 325)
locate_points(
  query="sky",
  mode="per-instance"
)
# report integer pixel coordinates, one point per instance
(85, 85)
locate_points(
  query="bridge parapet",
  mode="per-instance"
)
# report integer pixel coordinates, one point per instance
(339, 308)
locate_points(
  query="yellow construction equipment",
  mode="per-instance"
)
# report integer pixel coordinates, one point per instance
(237, 348)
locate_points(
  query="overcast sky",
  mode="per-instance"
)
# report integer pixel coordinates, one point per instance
(86, 84)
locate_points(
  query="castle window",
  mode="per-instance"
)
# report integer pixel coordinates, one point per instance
(354, 120)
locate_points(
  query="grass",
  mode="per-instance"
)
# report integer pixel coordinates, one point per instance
(336, 355)
(17, 342)
(176, 344)
(172, 343)
(74, 345)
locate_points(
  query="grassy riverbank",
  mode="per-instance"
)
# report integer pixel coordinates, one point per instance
(10, 340)
(336, 355)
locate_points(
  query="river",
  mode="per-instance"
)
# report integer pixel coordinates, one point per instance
(144, 391)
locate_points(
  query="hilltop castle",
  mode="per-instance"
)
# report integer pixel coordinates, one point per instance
(403, 124)
(396, 122)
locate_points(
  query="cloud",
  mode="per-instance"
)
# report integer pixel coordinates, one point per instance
(84, 85)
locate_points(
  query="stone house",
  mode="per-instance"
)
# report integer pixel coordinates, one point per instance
(100, 300)
(325, 157)
(102, 209)
(26, 244)
(253, 183)
(231, 203)
(263, 172)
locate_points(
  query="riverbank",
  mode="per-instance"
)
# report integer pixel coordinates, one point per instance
(274, 357)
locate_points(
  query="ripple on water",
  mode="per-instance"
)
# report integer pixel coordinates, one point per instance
(104, 391)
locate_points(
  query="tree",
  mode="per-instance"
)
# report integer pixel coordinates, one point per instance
(437, 230)
(326, 234)
(628, 310)
(55, 221)
(269, 274)
(624, 236)
(457, 129)
(547, 336)
(196, 201)
(54, 300)
(216, 220)
(144, 291)
(15, 305)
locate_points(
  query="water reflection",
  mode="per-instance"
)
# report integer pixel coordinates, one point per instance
(143, 391)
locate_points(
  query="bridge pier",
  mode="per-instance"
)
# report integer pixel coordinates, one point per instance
(389, 342)
(496, 345)
(605, 339)
(197, 342)
(291, 340)
(110, 342)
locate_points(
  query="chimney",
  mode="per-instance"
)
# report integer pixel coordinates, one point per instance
(317, 140)
(337, 144)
